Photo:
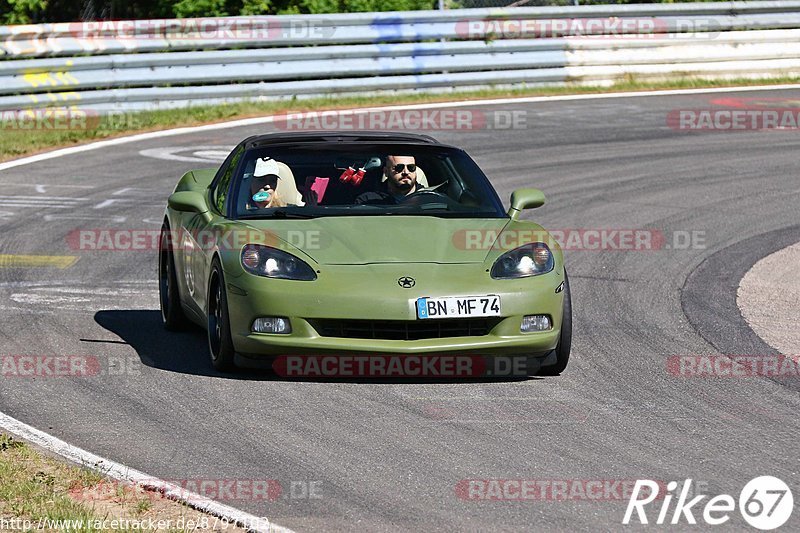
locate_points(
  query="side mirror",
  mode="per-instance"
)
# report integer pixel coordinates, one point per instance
(187, 202)
(524, 199)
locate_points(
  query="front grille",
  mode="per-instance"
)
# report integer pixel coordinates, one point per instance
(406, 330)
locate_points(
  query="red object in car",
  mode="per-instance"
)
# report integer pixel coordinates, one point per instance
(359, 176)
(347, 175)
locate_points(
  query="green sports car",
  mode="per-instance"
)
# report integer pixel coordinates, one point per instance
(343, 244)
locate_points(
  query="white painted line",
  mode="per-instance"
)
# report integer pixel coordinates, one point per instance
(39, 205)
(200, 154)
(125, 474)
(41, 202)
(41, 187)
(40, 198)
(105, 203)
(435, 105)
(50, 218)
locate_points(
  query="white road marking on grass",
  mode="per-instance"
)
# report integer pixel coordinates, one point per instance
(126, 474)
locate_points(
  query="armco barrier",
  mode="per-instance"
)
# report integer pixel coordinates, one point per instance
(136, 65)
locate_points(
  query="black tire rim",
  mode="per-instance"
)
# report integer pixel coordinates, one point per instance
(164, 281)
(215, 321)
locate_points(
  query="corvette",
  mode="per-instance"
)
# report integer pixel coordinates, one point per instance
(297, 245)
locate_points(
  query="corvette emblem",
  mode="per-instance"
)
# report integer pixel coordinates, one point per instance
(406, 282)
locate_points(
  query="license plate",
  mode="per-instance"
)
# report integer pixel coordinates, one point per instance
(458, 306)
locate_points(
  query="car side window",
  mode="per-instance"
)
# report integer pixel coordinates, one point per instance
(223, 185)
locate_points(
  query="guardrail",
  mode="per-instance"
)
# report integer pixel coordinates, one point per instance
(134, 65)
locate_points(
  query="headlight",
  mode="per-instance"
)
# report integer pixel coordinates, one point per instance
(528, 260)
(272, 263)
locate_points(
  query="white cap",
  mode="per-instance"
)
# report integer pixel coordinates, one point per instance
(265, 167)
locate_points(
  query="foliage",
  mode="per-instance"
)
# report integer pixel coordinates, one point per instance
(37, 11)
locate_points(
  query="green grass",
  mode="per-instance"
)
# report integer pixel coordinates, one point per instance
(32, 487)
(35, 488)
(16, 143)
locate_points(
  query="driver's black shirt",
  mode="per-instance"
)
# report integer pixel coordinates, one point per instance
(383, 196)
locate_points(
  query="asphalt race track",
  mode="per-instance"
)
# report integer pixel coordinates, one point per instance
(391, 456)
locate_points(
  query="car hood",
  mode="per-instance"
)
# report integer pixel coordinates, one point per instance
(386, 239)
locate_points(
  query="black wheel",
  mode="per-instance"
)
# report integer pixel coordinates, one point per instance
(565, 341)
(172, 315)
(220, 343)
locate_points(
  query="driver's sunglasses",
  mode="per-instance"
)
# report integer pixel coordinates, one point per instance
(398, 168)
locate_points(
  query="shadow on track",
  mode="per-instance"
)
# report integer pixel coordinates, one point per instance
(187, 352)
(184, 352)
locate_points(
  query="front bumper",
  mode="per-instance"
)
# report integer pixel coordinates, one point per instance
(365, 292)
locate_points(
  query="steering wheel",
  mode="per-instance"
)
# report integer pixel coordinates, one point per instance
(424, 192)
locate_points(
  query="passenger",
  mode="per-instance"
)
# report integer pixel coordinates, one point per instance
(263, 187)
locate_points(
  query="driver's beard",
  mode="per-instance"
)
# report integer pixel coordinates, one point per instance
(405, 187)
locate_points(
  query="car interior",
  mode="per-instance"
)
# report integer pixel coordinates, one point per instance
(326, 178)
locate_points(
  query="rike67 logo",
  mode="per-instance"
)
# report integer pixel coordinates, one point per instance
(765, 503)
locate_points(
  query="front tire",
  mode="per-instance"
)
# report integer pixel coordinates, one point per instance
(220, 343)
(172, 315)
(565, 340)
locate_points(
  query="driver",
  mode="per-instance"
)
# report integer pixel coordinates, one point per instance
(401, 181)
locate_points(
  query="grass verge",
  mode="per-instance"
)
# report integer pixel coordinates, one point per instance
(16, 142)
(40, 493)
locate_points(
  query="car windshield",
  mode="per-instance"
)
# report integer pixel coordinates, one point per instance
(337, 179)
